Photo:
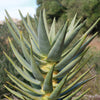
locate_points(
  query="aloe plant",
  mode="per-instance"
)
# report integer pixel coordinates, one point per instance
(47, 64)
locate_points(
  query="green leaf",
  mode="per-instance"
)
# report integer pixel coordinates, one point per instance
(57, 35)
(14, 92)
(91, 28)
(19, 57)
(77, 80)
(12, 32)
(36, 22)
(27, 77)
(7, 97)
(24, 49)
(23, 85)
(35, 48)
(67, 68)
(35, 69)
(80, 96)
(87, 42)
(45, 23)
(47, 85)
(16, 29)
(29, 29)
(13, 24)
(33, 35)
(56, 50)
(72, 94)
(71, 26)
(77, 22)
(71, 35)
(42, 37)
(52, 32)
(78, 69)
(56, 92)
(30, 25)
(23, 92)
(70, 55)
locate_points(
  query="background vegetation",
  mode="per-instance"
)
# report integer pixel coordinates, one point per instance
(66, 9)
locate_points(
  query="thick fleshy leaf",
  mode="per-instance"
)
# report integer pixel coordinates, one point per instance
(87, 42)
(13, 24)
(19, 57)
(76, 81)
(77, 23)
(23, 85)
(57, 35)
(80, 96)
(91, 28)
(78, 69)
(67, 68)
(47, 85)
(45, 23)
(39, 61)
(36, 22)
(30, 24)
(71, 35)
(44, 44)
(24, 49)
(16, 38)
(71, 26)
(56, 50)
(15, 93)
(7, 97)
(28, 78)
(52, 32)
(77, 85)
(29, 29)
(35, 69)
(72, 94)
(16, 28)
(23, 92)
(69, 56)
(56, 92)
(33, 35)
(35, 48)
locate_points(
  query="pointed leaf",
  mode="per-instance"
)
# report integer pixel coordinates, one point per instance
(23, 92)
(24, 49)
(78, 69)
(80, 96)
(30, 25)
(12, 32)
(23, 85)
(69, 56)
(87, 42)
(57, 35)
(19, 57)
(67, 68)
(77, 80)
(14, 92)
(45, 23)
(52, 32)
(71, 35)
(56, 50)
(56, 92)
(72, 94)
(47, 85)
(35, 69)
(42, 37)
(28, 78)
(34, 37)
(71, 26)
